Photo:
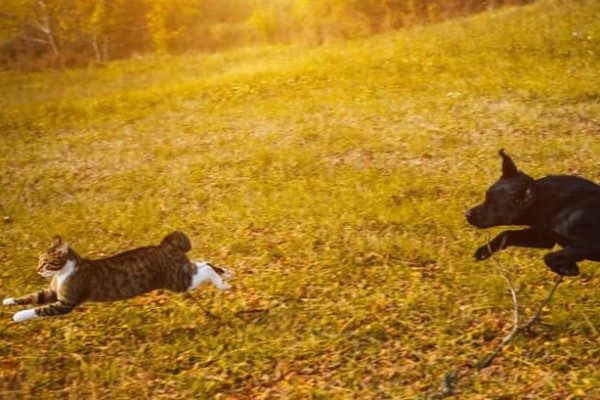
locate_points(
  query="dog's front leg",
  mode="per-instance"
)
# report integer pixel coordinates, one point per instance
(523, 238)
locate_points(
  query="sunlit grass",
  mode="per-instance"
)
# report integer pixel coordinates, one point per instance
(333, 181)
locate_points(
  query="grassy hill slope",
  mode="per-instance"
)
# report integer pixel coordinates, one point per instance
(333, 181)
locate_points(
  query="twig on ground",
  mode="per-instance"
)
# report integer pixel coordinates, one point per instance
(208, 313)
(450, 379)
(447, 384)
(536, 316)
(252, 311)
(487, 361)
(188, 295)
(516, 329)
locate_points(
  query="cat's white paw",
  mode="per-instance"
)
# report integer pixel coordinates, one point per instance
(24, 315)
(224, 286)
(227, 274)
(9, 302)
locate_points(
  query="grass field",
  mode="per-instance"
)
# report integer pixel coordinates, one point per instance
(333, 182)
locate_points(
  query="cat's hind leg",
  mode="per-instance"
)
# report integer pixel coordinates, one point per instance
(207, 272)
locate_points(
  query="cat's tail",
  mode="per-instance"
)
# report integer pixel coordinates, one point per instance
(177, 240)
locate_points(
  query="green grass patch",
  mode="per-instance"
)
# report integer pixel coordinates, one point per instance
(333, 181)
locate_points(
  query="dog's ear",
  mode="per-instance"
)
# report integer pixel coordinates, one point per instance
(509, 169)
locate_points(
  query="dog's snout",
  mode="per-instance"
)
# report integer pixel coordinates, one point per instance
(473, 216)
(469, 215)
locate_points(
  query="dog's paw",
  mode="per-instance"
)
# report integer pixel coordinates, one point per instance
(559, 265)
(482, 253)
(566, 270)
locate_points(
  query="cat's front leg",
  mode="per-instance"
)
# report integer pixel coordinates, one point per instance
(41, 297)
(50, 310)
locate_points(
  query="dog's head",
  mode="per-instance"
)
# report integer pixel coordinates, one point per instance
(506, 200)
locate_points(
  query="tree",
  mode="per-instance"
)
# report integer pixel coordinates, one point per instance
(93, 22)
(168, 19)
(32, 21)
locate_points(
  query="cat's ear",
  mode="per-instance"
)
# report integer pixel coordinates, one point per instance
(57, 241)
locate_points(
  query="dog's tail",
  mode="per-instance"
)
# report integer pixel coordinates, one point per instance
(177, 240)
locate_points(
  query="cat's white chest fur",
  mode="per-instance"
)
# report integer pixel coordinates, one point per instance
(61, 276)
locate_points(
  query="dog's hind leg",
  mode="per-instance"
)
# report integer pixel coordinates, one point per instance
(591, 252)
(564, 262)
(561, 264)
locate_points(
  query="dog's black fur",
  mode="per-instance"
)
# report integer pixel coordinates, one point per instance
(558, 209)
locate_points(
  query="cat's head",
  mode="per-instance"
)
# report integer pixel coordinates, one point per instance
(54, 259)
(225, 274)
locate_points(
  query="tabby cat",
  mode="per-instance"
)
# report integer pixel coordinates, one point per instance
(134, 272)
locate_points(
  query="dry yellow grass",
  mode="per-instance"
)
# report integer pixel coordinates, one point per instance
(333, 181)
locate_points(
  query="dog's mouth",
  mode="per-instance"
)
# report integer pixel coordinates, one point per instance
(472, 218)
(479, 219)
(478, 224)
(482, 218)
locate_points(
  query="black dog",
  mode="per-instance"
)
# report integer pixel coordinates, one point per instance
(558, 209)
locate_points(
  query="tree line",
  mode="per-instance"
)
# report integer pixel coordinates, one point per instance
(77, 32)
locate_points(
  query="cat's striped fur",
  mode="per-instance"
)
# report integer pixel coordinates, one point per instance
(125, 275)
